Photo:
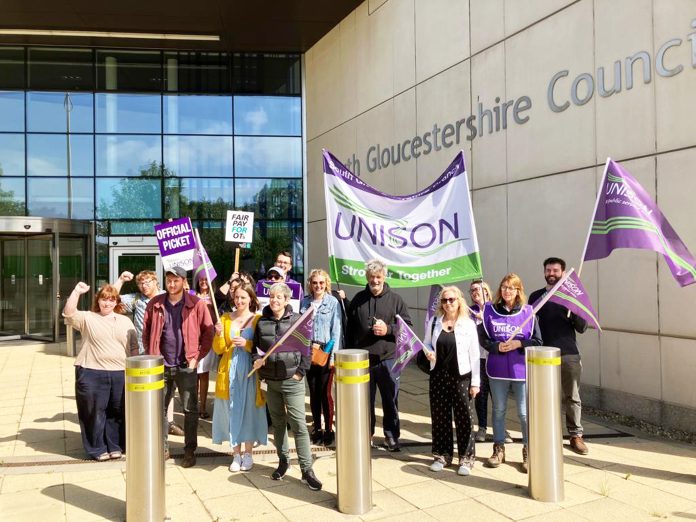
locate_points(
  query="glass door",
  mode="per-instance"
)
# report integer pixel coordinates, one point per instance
(12, 286)
(134, 259)
(40, 290)
(72, 268)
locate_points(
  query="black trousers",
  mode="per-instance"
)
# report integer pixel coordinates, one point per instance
(100, 408)
(186, 380)
(482, 398)
(318, 381)
(449, 395)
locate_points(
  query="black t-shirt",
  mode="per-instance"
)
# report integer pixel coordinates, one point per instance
(446, 353)
(557, 329)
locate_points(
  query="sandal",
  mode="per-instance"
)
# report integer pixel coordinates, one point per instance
(103, 457)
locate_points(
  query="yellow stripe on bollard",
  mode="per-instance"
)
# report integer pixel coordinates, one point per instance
(353, 365)
(550, 361)
(147, 386)
(349, 379)
(144, 372)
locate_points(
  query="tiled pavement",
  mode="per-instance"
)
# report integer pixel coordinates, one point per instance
(626, 476)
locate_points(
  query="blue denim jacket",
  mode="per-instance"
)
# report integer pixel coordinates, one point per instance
(327, 320)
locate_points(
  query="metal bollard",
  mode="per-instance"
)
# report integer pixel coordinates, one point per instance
(144, 439)
(353, 452)
(544, 414)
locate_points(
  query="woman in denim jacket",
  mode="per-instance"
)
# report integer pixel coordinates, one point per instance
(326, 328)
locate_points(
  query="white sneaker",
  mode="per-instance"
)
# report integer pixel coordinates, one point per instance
(437, 465)
(236, 463)
(480, 435)
(508, 437)
(247, 462)
(464, 470)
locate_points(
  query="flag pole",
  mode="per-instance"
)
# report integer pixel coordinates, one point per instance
(541, 302)
(309, 310)
(594, 213)
(207, 274)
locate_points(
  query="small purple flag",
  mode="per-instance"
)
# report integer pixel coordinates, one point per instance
(200, 260)
(573, 296)
(407, 345)
(299, 336)
(627, 217)
(432, 303)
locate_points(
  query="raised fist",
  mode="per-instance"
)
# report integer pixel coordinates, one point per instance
(126, 276)
(81, 288)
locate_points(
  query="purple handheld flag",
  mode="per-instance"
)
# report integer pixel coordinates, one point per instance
(627, 217)
(572, 295)
(298, 338)
(200, 260)
(407, 345)
(432, 303)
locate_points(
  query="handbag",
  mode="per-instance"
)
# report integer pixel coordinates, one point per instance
(319, 356)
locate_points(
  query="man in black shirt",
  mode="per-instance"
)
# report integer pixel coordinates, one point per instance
(558, 330)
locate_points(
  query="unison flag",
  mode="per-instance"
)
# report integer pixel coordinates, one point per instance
(407, 345)
(572, 294)
(425, 238)
(299, 336)
(627, 217)
(201, 261)
(432, 303)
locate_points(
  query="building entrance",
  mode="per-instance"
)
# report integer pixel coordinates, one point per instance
(41, 260)
(133, 253)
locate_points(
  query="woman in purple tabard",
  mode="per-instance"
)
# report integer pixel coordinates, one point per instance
(454, 379)
(505, 365)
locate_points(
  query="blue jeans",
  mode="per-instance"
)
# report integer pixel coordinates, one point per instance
(500, 389)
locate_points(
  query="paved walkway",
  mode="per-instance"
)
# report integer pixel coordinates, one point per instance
(626, 476)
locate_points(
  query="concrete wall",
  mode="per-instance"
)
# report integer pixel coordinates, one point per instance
(392, 69)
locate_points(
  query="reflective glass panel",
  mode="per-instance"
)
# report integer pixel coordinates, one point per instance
(48, 197)
(12, 67)
(269, 115)
(128, 155)
(46, 112)
(196, 72)
(125, 70)
(129, 198)
(129, 113)
(11, 154)
(47, 155)
(272, 199)
(12, 196)
(138, 228)
(61, 68)
(198, 156)
(197, 114)
(276, 236)
(11, 111)
(267, 73)
(268, 157)
(198, 198)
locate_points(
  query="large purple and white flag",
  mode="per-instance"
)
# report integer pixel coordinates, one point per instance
(407, 345)
(201, 261)
(627, 217)
(425, 238)
(572, 294)
(432, 303)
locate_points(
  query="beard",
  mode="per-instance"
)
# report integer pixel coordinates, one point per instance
(551, 279)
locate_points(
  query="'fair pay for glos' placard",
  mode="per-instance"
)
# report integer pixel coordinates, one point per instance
(239, 227)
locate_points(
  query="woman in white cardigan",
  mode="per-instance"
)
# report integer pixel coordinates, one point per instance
(452, 340)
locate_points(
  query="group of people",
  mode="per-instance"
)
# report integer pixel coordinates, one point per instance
(469, 356)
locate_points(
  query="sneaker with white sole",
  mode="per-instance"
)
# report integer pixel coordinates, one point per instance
(464, 470)
(438, 464)
(236, 463)
(480, 435)
(508, 437)
(247, 462)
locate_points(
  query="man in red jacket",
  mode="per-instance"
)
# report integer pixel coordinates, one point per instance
(178, 326)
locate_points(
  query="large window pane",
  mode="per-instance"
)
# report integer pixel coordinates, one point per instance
(12, 196)
(197, 114)
(129, 198)
(198, 198)
(129, 113)
(269, 115)
(268, 157)
(267, 74)
(11, 154)
(130, 228)
(197, 72)
(272, 199)
(11, 110)
(198, 156)
(47, 155)
(129, 70)
(48, 197)
(271, 237)
(12, 67)
(61, 68)
(129, 155)
(46, 112)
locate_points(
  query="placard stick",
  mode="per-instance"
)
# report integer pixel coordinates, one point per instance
(236, 259)
(207, 275)
(309, 310)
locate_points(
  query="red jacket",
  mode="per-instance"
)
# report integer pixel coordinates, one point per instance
(197, 326)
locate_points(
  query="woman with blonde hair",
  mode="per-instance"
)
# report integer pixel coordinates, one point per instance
(326, 337)
(239, 414)
(505, 365)
(453, 353)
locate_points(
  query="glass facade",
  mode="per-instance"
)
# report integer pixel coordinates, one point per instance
(131, 138)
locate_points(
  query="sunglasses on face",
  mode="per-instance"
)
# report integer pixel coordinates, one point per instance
(274, 277)
(448, 300)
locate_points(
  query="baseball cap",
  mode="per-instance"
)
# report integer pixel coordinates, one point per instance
(277, 270)
(177, 271)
